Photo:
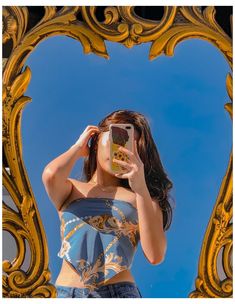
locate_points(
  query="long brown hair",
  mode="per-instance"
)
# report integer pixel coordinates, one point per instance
(157, 181)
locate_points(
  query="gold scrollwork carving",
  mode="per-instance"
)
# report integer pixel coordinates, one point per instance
(124, 26)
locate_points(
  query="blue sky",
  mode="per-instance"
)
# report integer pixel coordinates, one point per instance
(183, 98)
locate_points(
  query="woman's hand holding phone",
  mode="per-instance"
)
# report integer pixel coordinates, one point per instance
(82, 142)
(134, 167)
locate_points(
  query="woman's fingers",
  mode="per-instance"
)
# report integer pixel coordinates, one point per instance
(130, 154)
(87, 133)
(122, 175)
(93, 130)
(136, 151)
(122, 163)
(133, 156)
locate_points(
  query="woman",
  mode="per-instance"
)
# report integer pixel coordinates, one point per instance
(105, 215)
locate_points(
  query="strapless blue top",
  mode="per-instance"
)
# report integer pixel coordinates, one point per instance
(99, 238)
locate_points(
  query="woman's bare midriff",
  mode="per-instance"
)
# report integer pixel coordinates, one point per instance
(69, 277)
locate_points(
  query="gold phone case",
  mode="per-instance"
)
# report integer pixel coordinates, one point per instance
(120, 135)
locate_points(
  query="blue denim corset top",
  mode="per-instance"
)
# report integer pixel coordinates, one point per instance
(99, 238)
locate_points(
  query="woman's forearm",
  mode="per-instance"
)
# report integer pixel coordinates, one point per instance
(152, 236)
(64, 163)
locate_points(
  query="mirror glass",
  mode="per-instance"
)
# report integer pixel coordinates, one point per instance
(183, 99)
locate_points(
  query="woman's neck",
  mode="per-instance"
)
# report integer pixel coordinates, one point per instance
(105, 181)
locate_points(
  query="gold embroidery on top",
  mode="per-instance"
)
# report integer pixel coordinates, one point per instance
(127, 228)
(73, 230)
(62, 227)
(91, 272)
(116, 209)
(64, 250)
(120, 228)
(65, 246)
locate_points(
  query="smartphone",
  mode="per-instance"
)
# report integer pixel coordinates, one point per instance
(120, 135)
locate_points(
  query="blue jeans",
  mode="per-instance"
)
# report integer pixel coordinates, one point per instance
(115, 290)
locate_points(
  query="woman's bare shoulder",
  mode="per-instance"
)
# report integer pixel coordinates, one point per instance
(79, 188)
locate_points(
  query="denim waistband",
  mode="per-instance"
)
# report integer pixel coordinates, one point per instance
(103, 287)
(124, 289)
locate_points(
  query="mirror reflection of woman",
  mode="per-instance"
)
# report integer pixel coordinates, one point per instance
(105, 215)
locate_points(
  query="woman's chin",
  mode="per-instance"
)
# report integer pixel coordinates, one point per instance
(111, 172)
(108, 170)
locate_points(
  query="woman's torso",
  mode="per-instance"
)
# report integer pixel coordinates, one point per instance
(68, 276)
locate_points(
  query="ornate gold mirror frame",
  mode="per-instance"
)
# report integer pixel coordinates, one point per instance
(121, 25)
